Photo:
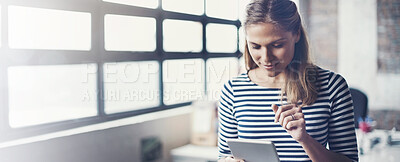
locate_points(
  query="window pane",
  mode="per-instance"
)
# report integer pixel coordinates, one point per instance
(43, 94)
(191, 7)
(183, 80)
(131, 86)
(129, 33)
(182, 36)
(219, 71)
(242, 40)
(225, 9)
(0, 26)
(242, 9)
(35, 28)
(221, 38)
(139, 3)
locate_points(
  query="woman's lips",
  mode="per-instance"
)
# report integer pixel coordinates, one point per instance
(269, 67)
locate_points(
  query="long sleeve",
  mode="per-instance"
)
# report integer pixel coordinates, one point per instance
(342, 137)
(227, 122)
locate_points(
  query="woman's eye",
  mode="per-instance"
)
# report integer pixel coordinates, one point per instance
(255, 46)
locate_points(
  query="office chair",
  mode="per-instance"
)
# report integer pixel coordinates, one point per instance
(360, 102)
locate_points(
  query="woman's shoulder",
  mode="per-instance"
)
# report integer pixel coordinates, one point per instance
(327, 74)
(241, 77)
(330, 81)
(238, 80)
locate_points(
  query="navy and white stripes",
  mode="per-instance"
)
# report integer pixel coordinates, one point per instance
(245, 112)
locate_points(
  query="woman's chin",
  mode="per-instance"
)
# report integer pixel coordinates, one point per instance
(271, 72)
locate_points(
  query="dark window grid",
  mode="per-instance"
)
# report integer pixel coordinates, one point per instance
(97, 54)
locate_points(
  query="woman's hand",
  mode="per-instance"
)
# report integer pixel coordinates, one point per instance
(291, 118)
(230, 159)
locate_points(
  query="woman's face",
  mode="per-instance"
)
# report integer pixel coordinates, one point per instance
(272, 49)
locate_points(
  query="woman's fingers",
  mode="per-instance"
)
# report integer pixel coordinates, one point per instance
(291, 121)
(280, 110)
(295, 124)
(284, 111)
(274, 108)
(286, 114)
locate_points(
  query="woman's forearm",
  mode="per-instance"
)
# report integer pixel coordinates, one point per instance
(319, 153)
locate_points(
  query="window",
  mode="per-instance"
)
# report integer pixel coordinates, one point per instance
(219, 70)
(241, 39)
(35, 28)
(221, 38)
(43, 94)
(129, 33)
(130, 86)
(0, 26)
(68, 64)
(184, 6)
(225, 9)
(182, 36)
(242, 9)
(139, 3)
(183, 80)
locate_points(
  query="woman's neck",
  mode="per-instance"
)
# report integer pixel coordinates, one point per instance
(261, 78)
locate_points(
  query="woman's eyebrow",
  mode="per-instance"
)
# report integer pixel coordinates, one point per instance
(253, 43)
(281, 39)
(275, 41)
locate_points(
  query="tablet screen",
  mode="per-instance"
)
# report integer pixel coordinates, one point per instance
(253, 150)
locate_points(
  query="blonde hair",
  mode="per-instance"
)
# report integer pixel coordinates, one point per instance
(301, 74)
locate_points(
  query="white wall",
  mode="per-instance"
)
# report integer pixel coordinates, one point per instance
(115, 144)
(357, 58)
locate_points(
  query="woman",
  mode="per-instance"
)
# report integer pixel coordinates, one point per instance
(283, 97)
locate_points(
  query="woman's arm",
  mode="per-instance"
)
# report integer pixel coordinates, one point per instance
(292, 119)
(226, 120)
(317, 152)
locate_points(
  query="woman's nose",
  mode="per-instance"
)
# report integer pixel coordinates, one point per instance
(266, 55)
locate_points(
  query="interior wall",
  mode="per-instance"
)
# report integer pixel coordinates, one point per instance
(322, 31)
(120, 144)
(358, 50)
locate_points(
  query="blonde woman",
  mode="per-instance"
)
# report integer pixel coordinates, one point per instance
(284, 97)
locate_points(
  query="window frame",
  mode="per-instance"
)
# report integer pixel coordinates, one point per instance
(97, 54)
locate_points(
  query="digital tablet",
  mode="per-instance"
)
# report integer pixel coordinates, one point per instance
(253, 150)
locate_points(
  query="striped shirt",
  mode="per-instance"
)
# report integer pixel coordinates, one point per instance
(244, 111)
